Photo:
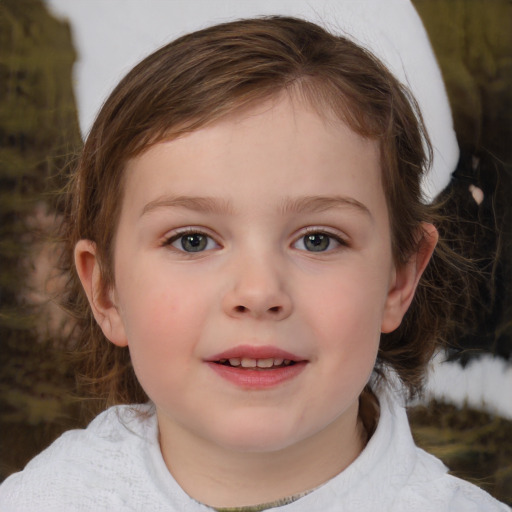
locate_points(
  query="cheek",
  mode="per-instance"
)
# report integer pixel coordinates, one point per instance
(346, 320)
(158, 303)
(162, 325)
(351, 303)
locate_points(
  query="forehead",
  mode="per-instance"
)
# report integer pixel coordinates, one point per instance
(283, 147)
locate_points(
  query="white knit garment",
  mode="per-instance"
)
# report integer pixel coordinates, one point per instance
(115, 465)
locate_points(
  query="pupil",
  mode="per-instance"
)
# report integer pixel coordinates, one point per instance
(316, 242)
(193, 243)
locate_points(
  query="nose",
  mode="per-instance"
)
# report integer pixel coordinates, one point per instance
(258, 290)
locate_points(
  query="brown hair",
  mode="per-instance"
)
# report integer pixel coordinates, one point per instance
(205, 75)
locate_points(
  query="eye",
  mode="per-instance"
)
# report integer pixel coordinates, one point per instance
(192, 242)
(318, 241)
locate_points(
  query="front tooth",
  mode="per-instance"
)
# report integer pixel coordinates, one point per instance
(248, 363)
(265, 363)
(278, 362)
(234, 361)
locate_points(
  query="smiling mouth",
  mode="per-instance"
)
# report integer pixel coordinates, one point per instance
(270, 363)
(252, 367)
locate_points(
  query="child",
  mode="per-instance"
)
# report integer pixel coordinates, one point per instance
(246, 222)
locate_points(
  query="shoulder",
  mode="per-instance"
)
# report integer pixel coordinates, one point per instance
(428, 486)
(118, 432)
(405, 478)
(83, 463)
(431, 487)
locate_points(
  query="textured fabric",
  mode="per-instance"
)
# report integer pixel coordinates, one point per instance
(116, 465)
(265, 506)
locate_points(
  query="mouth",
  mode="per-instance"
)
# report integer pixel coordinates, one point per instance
(268, 363)
(256, 358)
(254, 367)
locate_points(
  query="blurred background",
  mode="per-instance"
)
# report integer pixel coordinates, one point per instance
(465, 417)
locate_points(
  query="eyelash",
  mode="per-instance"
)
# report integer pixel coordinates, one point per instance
(206, 241)
(330, 236)
(169, 241)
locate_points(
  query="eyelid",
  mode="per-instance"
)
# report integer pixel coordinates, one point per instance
(176, 234)
(322, 230)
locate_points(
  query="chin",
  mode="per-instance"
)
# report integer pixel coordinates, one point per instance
(256, 437)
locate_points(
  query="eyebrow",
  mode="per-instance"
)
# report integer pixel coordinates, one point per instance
(211, 205)
(316, 204)
(200, 204)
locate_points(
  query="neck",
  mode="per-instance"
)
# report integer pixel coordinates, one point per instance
(221, 477)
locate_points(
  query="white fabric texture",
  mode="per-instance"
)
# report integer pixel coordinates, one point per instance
(113, 36)
(116, 465)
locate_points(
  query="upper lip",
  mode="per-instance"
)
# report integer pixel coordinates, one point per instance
(256, 352)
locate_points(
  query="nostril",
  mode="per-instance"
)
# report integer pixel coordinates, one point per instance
(275, 309)
(240, 309)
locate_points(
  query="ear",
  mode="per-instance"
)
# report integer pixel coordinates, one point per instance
(102, 302)
(406, 279)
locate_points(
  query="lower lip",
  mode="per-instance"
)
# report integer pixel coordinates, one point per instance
(257, 379)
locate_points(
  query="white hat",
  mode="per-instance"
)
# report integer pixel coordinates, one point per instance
(112, 36)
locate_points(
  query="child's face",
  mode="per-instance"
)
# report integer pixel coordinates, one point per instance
(264, 237)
